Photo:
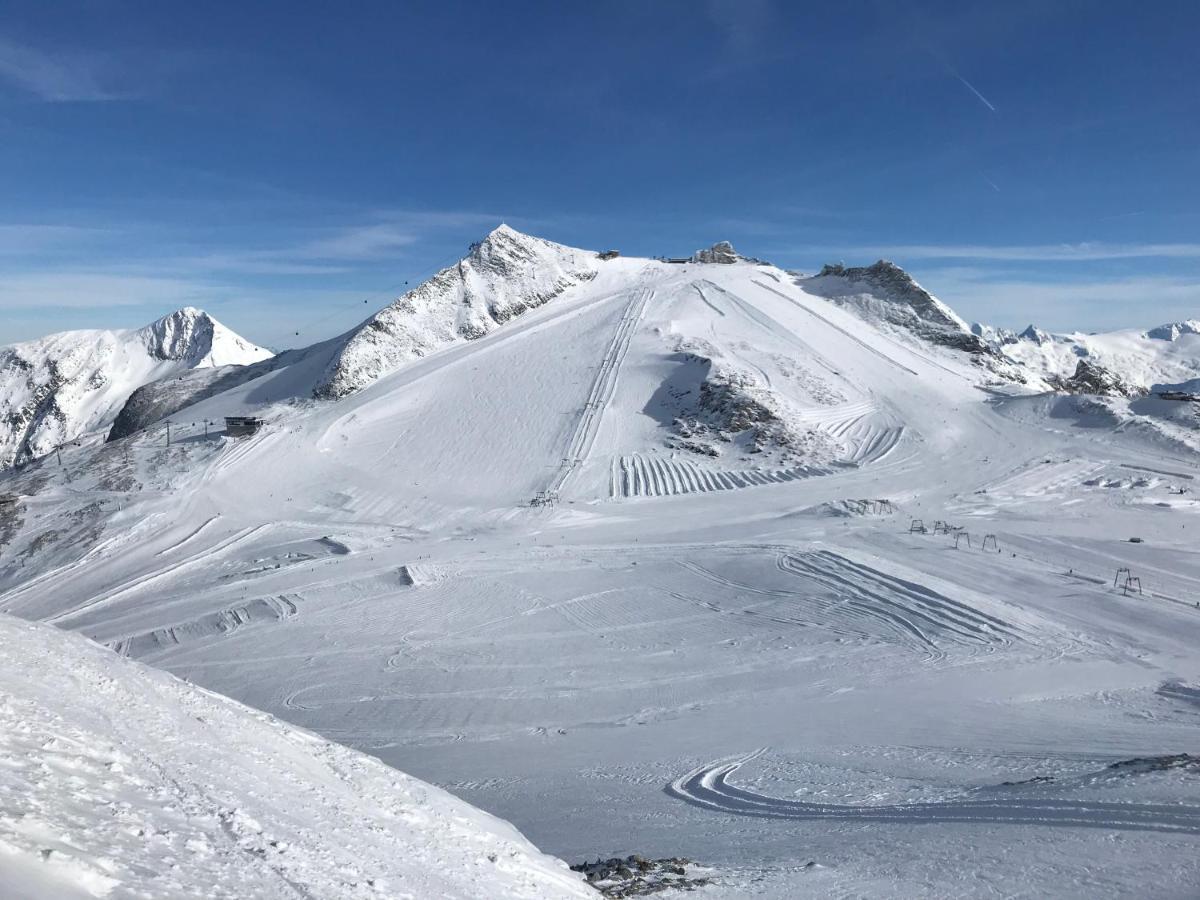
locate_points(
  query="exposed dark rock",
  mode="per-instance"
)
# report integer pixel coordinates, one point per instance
(636, 876)
(720, 252)
(157, 400)
(1092, 378)
(1157, 763)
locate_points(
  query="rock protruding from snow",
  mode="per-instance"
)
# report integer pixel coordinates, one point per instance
(721, 252)
(1174, 330)
(157, 400)
(1035, 334)
(506, 274)
(120, 780)
(56, 388)
(1092, 378)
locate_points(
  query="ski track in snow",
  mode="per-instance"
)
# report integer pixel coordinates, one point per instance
(838, 328)
(142, 581)
(603, 386)
(871, 604)
(708, 787)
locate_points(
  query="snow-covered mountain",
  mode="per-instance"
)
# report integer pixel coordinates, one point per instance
(885, 293)
(58, 387)
(1118, 363)
(120, 781)
(505, 275)
(697, 538)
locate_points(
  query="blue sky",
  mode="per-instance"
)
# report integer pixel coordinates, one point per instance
(280, 163)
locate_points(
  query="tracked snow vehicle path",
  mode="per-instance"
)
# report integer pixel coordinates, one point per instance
(708, 787)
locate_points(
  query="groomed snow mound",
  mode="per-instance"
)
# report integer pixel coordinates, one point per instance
(506, 274)
(117, 780)
(56, 388)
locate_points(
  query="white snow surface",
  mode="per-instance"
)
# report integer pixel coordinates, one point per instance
(56, 388)
(717, 642)
(120, 781)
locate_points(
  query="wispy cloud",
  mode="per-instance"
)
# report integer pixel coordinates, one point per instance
(1081, 252)
(19, 239)
(84, 289)
(395, 231)
(1084, 304)
(367, 242)
(56, 77)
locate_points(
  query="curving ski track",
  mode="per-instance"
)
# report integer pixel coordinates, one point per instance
(708, 787)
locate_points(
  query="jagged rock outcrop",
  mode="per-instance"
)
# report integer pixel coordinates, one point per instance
(504, 275)
(58, 387)
(1035, 334)
(1092, 378)
(734, 406)
(720, 252)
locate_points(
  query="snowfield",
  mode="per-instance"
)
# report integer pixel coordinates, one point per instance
(119, 781)
(799, 577)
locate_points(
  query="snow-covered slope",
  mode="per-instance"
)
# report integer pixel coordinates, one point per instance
(697, 540)
(506, 274)
(120, 781)
(61, 386)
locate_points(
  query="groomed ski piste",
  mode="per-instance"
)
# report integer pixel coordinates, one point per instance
(764, 522)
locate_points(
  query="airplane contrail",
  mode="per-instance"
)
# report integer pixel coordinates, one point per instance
(982, 99)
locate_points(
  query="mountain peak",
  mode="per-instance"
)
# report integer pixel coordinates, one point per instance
(891, 284)
(504, 249)
(63, 385)
(1174, 330)
(192, 336)
(1035, 334)
(505, 275)
(185, 334)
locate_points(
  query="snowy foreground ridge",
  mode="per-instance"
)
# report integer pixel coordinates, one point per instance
(800, 577)
(119, 781)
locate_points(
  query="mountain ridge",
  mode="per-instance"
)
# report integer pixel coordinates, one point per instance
(55, 388)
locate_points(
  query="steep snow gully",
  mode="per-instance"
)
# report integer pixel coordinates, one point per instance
(945, 585)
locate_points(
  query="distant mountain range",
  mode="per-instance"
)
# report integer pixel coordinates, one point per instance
(60, 387)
